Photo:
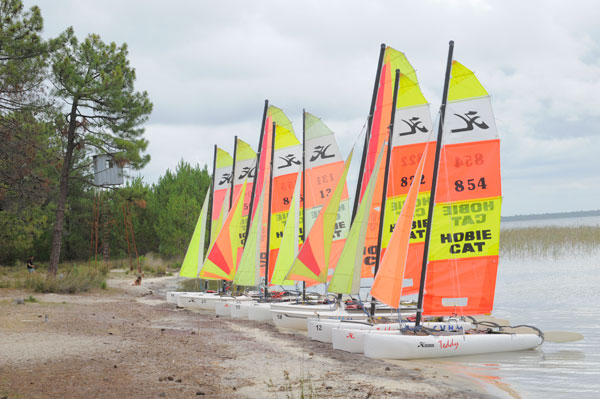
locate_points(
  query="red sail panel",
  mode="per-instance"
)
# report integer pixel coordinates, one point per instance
(463, 254)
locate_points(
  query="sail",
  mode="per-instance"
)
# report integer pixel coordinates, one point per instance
(346, 276)
(194, 256)
(463, 255)
(222, 257)
(412, 141)
(288, 249)
(387, 285)
(245, 172)
(287, 162)
(248, 272)
(312, 262)
(323, 167)
(393, 59)
(222, 182)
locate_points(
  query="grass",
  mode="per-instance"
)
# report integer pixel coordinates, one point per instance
(549, 241)
(71, 278)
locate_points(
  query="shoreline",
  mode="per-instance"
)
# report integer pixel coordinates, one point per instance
(128, 341)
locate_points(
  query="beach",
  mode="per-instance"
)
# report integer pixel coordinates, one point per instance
(127, 341)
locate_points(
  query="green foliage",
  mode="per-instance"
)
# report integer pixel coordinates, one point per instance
(68, 281)
(97, 82)
(45, 148)
(30, 298)
(175, 205)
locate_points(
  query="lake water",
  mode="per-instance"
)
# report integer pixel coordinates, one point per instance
(553, 294)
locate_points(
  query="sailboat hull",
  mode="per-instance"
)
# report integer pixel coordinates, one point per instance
(320, 329)
(349, 337)
(404, 347)
(197, 300)
(260, 311)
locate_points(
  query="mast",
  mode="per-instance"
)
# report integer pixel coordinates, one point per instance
(212, 203)
(438, 148)
(303, 190)
(260, 141)
(233, 171)
(269, 212)
(385, 181)
(368, 132)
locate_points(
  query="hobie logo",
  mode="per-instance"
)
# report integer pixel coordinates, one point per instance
(289, 160)
(350, 336)
(320, 151)
(424, 345)
(225, 179)
(471, 119)
(247, 172)
(414, 124)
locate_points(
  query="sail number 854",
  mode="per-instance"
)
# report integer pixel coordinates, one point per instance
(472, 184)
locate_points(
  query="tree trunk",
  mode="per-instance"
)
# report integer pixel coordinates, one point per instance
(62, 194)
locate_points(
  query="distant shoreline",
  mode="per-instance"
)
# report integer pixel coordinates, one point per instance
(544, 216)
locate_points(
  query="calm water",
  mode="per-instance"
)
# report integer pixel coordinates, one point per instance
(554, 294)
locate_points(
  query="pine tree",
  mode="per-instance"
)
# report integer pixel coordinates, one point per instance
(104, 113)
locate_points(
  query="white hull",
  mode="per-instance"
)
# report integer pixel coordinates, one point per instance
(295, 306)
(397, 346)
(320, 329)
(260, 311)
(351, 338)
(197, 300)
(297, 320)
(239, 309)
(223, 307)
(172, 296)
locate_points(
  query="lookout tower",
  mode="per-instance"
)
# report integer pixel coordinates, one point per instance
(106, 171)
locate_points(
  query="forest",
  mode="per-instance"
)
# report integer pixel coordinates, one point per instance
(63, 101)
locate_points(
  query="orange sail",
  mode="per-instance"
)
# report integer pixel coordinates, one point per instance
(387, 285)
(393, 60)
(287, 163)
(222, 258)
(463, 254)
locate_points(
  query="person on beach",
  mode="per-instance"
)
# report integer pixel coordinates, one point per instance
(30, 265)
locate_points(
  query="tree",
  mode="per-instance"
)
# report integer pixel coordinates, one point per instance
(104, 112)
(175, 205)
(25, 145)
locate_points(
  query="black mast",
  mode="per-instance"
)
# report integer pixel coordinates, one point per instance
(260, 141)
(438, 148)
(303, 190)
(269, 212)
(233, 172)
(368, 132)
(212, 203)
(385, 181)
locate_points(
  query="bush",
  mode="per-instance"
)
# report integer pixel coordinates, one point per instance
(74, 280)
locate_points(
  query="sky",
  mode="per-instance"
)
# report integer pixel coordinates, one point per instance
(208, 67)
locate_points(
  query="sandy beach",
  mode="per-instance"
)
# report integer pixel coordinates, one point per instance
(127, 341)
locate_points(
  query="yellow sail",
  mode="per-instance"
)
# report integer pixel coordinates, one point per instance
(194, 256)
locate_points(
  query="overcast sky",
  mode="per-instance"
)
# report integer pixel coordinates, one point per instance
(208, 66)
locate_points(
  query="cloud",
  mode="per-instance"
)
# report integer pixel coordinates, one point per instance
(209, 66)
